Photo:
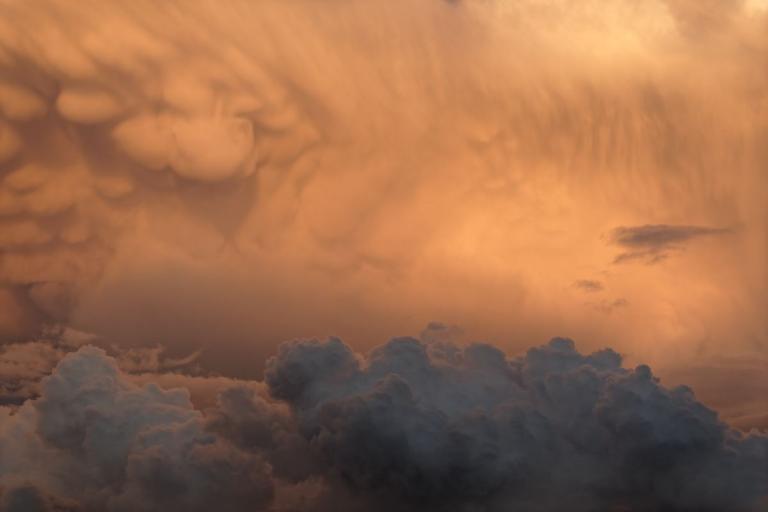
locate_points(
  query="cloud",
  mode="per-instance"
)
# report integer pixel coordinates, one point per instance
(25, 497)
(111, 445)
(415, 429)
(205, 149)
(197, 174)
(721, 380)
(278, 162)
(24, 364)
(413, 425)
(652, 243)
(589, 285)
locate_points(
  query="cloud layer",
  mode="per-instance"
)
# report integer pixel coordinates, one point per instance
(393, 163)
(215, 177)
(413, 425)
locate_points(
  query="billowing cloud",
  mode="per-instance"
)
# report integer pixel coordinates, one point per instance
(422, 428)
(23, 365)
(107, 444)
(413, 425)
(214, 178)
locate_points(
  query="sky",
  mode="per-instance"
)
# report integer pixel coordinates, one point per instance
(218, 213)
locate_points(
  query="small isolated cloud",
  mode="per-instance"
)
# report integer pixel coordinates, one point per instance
(652, 243)
(589, 285)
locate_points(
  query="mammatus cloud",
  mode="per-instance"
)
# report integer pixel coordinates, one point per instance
(227, 175)
(155, 154)
(413, 425)
(653, 243)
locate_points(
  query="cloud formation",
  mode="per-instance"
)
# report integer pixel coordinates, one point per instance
(653, 243)
(23, 365)
(419, 426)
(156, 154)
(106, 444)
(413, 425)
(221, 176)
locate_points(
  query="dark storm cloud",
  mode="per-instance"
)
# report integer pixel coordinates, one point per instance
(25, 497)
(652, 243)
(414, 425)
(416, 428)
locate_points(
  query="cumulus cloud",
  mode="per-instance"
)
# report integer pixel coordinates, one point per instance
(414, 428)
(198, 174)
(110, 445)
(413, 425)
(23, 365)
(653, 243)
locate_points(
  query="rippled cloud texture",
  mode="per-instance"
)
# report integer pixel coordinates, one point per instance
(187, 184)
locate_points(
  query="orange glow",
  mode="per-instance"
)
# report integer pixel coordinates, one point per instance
(228, 175)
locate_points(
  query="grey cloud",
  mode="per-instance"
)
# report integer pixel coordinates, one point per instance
(412, 425)
(652, 243)
(26, 497)
(110, 445)
(552, 429)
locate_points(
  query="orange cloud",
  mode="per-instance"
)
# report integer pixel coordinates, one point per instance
(226, 176)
